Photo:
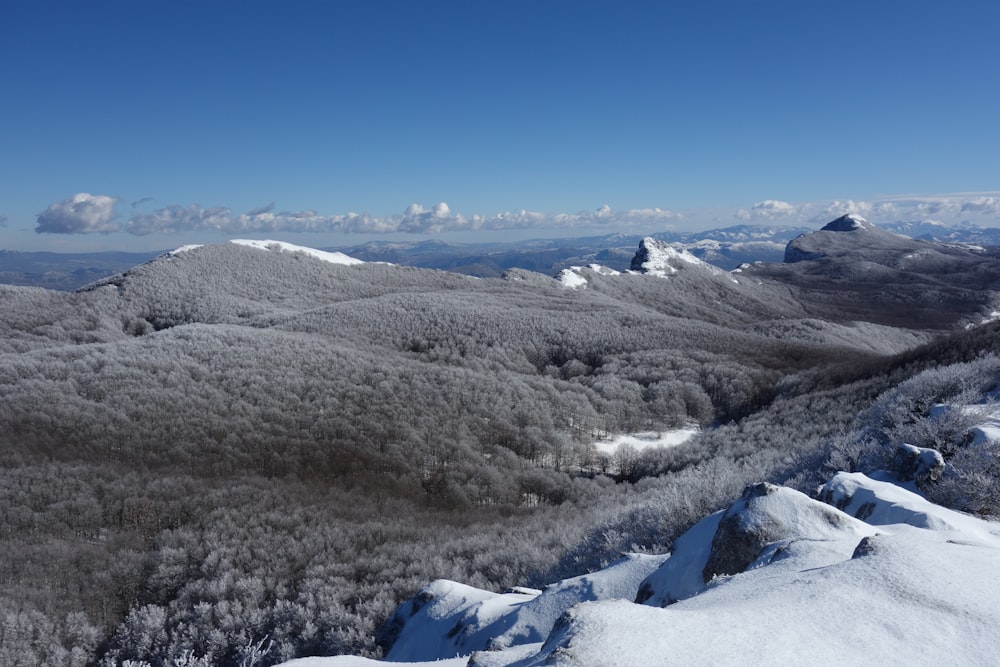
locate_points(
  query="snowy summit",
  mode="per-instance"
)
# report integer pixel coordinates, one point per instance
(281, 246)
(659, 258)
(847, 223)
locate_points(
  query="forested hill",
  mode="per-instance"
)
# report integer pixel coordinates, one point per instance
(852, 269)
(237, 441)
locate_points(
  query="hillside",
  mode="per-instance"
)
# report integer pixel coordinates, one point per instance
(255, 439)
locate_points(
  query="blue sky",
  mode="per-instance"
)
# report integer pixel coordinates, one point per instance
(146, 125)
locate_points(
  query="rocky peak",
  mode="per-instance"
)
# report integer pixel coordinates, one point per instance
(660, 258)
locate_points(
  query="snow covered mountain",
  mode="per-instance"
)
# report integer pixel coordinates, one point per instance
(855, 270)
(851, 235)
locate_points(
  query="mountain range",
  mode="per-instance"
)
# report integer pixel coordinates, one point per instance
(253, 451)
(726, 248)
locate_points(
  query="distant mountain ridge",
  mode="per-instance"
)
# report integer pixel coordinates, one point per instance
(860, 270)
(726, 248)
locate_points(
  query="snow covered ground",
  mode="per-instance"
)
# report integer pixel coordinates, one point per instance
(870, 574)
(647, 440)
(575, 277)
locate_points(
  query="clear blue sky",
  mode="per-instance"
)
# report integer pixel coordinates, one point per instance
(151, 124)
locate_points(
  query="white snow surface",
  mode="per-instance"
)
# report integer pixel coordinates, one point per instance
(912, 584)
(184, 248)
(449, 618)
(575, 277)
(354, 661)
(647, 440)
(857, 220)
(571, 278)
(281, 246)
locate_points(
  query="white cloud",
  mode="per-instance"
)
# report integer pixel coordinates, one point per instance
(417, 220)
(982, 205)
(769, 209)
(835, 209)
(414, 220)
(173, 219)
(949, 209)
(83, 213)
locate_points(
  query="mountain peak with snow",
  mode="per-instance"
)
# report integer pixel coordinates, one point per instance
(848, 223)
(849, 235)
(659, 258)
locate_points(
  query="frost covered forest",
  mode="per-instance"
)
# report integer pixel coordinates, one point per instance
(231, 444)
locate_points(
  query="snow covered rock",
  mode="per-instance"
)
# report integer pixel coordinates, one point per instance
(753, 531)
(444, 619)
(917, 464)
(659, 258)
(914, 584)
(447, 618)
(766, 514)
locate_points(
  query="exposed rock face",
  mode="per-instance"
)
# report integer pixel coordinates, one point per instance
(737, 542)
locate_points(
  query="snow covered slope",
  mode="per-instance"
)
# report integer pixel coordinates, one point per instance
(777, 578)
(281, 246)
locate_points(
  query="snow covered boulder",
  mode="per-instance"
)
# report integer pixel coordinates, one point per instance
(447, 618)
(917, 464)
(757, 529)
(765, 514)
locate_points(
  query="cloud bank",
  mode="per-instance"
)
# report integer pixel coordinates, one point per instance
(85, 213)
